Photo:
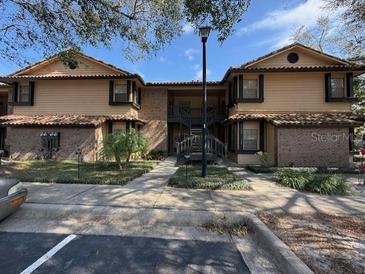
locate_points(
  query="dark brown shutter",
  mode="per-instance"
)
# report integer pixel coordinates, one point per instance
(229, 128)
(261, 87)
(31, 93)
(235, 136)
(230, 95)
(234, 97)
(262, 135)
(134, 92)
(350, 84)
(15, 92)
(328, 87)
(240, 135)
(240, 87)
(128, 90)
(111, 91)
(351, 138)
(139, 96)
(110, 127)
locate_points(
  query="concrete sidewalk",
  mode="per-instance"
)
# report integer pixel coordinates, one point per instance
(151, 191)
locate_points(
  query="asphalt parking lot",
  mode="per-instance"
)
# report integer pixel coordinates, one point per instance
(115, 254)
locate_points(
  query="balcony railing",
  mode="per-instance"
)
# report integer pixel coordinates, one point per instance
(193, 116)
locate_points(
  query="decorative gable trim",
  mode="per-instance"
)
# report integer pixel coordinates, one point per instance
(54, 58)
(290, 47)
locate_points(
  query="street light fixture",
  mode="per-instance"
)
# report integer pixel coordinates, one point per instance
(204, 34)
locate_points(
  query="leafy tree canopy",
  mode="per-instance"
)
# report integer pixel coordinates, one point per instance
(344, 36)
(140, 26)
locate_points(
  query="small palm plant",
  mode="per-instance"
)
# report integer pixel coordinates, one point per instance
(263, 158)
(122, 145)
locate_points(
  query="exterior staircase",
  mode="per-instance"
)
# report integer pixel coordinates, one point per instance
(191, 148)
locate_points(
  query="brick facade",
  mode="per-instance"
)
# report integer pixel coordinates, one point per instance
(154, 111)
(25, 142)
(324, 146)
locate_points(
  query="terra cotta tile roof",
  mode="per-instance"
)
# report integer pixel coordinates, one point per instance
(303, 119)
(63, 120)
(76, 76)
(183, 83)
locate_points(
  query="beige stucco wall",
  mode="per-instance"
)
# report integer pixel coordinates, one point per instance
(154, 111)
(313, 147)
(25, 142)
(303, 91)
(89, 97)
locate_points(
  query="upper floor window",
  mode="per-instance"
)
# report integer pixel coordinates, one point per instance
(246, 90)
(250, 90)
(338, 88)
(120, 93)
(23, 94)
(250, 138)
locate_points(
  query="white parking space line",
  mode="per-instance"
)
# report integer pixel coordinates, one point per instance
(49, 254)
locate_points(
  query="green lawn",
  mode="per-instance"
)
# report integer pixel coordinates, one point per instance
(66, 172)
(217, 178)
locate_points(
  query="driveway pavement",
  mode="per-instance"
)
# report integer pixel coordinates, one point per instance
(151, 191)
(147, 227)
(115, 254)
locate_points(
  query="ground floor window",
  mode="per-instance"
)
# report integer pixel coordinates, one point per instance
(245, 136)
(250, 138)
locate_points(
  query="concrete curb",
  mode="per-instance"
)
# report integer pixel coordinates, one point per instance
(285, 259)
(127, 216)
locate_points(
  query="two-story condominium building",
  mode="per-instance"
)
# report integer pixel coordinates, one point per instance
(294, 103)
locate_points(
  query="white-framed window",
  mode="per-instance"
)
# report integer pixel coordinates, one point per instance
(23, 93)
(250, 90)
(338, 88)
(250, 138)
(120, 93)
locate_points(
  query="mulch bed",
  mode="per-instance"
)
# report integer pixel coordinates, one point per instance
(326, 243)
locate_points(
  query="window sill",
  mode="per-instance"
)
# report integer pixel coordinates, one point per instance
(238, 151)
(344, 99)
(248, 151)
(136, 106)
(249, 100)
(20, 104)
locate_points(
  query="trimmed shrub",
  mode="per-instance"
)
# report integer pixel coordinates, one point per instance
(263, 158)
(158, 155)
(325, 184)
(293, 178)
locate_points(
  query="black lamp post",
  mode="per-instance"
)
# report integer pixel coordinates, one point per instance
(204, 33)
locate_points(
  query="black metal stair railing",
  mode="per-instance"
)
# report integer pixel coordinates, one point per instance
(193, 144)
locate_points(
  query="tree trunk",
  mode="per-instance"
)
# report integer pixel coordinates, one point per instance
(118, 160)
(128, 157)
